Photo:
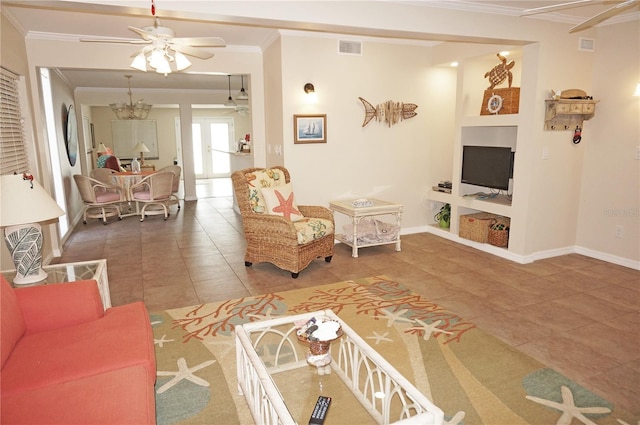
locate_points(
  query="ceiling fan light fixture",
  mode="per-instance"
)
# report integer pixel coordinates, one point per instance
(163, 67)
(182, 62)
(139, 63)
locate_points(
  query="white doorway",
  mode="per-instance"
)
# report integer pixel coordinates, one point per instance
(212, 138)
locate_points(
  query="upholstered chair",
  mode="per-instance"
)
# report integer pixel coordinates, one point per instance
(154, 192)
(100, 200)
(277, 230)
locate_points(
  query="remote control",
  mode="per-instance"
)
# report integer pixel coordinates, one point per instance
(320, 411)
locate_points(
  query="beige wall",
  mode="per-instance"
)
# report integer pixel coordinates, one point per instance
(609, 195)
(395, 163)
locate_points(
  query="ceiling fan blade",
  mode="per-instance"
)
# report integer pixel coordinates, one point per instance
(115, 40)
(191, 51)
(600, 17)
(554, 7)
(143, 33)
(201, 41)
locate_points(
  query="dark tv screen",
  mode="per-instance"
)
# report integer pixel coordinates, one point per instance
(487, 166)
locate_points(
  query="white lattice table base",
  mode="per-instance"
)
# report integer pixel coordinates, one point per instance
(385, 394)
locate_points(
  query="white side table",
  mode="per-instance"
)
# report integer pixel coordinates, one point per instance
(72, 272)
(378, 207)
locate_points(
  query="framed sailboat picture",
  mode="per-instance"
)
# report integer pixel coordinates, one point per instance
(310, 128)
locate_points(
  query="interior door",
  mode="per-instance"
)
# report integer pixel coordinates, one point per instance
(212, 147)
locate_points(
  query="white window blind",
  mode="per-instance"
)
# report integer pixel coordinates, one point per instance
(13, 155)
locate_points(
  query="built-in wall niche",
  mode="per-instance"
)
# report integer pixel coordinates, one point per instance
(126, 134)
(499, 164)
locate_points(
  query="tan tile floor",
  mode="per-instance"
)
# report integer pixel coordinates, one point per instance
(578, 315)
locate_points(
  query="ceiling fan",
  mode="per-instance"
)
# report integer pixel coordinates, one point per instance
(163, 47)
(619, 7)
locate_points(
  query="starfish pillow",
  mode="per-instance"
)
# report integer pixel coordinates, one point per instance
(280, 201)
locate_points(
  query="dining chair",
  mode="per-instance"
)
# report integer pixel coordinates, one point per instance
(101, 197)
(153, 191)
(103, 175)
(176, 170)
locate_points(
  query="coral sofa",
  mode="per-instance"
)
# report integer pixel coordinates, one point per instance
(67, 361)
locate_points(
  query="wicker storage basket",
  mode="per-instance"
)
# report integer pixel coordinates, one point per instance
(499, 232)
(475, 227)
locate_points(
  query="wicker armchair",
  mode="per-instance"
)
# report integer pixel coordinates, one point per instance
(275, 239)
(100, 200)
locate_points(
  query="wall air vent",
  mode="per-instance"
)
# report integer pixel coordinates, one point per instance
(586, 44)
(350, 47)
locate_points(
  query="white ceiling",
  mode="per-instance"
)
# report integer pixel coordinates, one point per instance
(71, 19)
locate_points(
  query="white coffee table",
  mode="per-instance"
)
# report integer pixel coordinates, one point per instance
(275, 379)
(72, 272)
(378, 207)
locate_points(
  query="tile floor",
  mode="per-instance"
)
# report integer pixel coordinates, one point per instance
(576, 314)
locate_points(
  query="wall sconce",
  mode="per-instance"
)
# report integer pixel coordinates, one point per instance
(637, 92)
(310, 90)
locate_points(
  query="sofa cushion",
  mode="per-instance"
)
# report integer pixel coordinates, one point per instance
(120, 339)
(12, 325)
(122, 396)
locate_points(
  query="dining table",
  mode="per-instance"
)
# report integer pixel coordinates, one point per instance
(126, 179)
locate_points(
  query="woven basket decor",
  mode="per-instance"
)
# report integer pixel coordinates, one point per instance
(475, 227)
(499, 232)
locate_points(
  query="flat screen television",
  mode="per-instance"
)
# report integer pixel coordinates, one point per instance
(487, 166)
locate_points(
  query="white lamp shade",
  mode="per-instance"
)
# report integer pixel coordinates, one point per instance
(637, 92)
(102, 148)
(182, 62)
(163, 67)
(22, 204)
(140, 63)
(141, 147)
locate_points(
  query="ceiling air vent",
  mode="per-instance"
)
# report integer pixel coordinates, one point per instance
(350, 47)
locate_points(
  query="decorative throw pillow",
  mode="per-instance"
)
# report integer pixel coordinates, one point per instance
(280, 201)
(261, 179)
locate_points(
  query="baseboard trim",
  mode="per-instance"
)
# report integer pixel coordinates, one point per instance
(529, 258)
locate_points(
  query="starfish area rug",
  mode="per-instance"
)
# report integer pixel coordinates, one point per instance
(473, 377)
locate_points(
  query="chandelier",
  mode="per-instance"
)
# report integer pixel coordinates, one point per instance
(131, 111)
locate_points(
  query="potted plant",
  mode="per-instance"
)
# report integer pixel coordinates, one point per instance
(443, 217)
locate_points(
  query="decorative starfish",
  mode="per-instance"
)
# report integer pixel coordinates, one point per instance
(396, 317)
(429, 329)
(456, 419)
(162, 340)
(184, 372)
(285, 205)
(569, 409)
(379, 337)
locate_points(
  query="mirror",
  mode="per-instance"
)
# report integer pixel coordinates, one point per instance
(71, 136)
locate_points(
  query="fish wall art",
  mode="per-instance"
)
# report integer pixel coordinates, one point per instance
(389, 112)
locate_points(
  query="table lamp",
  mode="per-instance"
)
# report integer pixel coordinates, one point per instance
(142, 148)
(23, 203)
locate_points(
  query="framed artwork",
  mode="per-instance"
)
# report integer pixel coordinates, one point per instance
(310, 128)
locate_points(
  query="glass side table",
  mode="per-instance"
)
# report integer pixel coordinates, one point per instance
(72, 272)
